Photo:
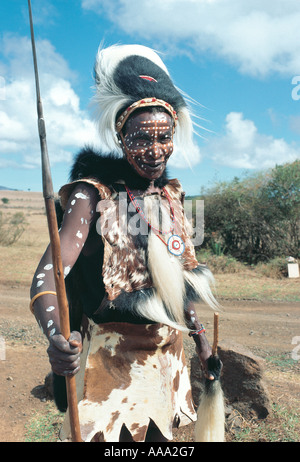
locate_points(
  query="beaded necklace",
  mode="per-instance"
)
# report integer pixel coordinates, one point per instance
(141, 213)
(175, 244)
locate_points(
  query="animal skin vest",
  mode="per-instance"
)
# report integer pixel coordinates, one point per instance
(125, 260)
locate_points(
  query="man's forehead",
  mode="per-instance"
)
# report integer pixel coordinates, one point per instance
(148, 118)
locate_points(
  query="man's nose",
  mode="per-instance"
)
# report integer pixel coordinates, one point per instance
(156, 151)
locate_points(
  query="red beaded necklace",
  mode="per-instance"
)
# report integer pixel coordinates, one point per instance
(141, 213)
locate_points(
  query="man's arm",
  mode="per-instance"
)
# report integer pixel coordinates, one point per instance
(211, 366)
(79, 215)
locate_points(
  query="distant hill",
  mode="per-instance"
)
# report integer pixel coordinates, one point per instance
(3, 188)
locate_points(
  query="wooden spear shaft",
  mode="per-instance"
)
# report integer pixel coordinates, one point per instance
(216, 334)
(48, 195)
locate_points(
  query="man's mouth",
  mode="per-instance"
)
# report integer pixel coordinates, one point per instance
(153, 165)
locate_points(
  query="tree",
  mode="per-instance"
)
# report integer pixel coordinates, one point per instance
(257, 218)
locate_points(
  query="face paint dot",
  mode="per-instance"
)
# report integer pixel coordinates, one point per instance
(73, 202)
(50, 308)
(70, 210)
(48, 267)
(79, 234)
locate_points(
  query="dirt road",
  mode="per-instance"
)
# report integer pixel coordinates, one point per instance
(266, 329)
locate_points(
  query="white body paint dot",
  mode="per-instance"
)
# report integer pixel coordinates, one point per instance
(48, 267)
(79, 234)
(67, 270)
(40, 276)
(49, 324)
(50, 308)
(40, 283)
(81, 196)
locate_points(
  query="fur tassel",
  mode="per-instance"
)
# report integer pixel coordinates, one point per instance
(210, 425)
(166, 273)
(165, 269)
(154, 310)
(200, 283)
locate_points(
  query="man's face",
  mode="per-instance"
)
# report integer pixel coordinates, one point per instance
(149, 143)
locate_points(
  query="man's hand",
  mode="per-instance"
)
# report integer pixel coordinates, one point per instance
(64, 356)
(213, 367)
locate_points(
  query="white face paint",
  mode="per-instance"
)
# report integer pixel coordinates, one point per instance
(79, 234)
(149, 143)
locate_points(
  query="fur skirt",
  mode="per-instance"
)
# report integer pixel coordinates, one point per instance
(131, 374)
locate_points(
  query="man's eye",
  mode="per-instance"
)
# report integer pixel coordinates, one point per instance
(166, 139)
(142, 140)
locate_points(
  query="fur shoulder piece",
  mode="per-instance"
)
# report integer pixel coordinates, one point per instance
(109, 169)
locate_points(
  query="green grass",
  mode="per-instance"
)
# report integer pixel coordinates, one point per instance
(282, 426)
(284, 362)
(44, 428)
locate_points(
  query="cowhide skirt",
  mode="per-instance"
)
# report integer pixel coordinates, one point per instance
(130, 374)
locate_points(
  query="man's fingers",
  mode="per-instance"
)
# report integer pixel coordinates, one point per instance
(64, 356)
(73, 346)
(75, 340)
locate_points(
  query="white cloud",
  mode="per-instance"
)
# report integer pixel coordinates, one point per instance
(242, 146)
(67, 126)
(257, 36)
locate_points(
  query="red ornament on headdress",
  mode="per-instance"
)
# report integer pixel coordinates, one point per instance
(147, 77)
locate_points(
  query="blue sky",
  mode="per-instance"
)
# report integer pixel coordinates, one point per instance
(239, 59)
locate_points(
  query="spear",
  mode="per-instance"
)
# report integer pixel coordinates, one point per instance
(48, 195)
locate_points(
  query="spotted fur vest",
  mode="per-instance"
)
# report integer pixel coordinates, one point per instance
(125, 253)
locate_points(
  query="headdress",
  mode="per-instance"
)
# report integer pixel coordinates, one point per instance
(131, 76)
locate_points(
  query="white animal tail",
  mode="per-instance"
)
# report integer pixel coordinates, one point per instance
(210, 425)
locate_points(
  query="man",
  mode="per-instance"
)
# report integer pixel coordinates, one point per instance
(131, 273)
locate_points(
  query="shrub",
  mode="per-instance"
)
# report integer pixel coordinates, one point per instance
(255, 219)
(275, 268)
(11, 228)
(219, 263)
